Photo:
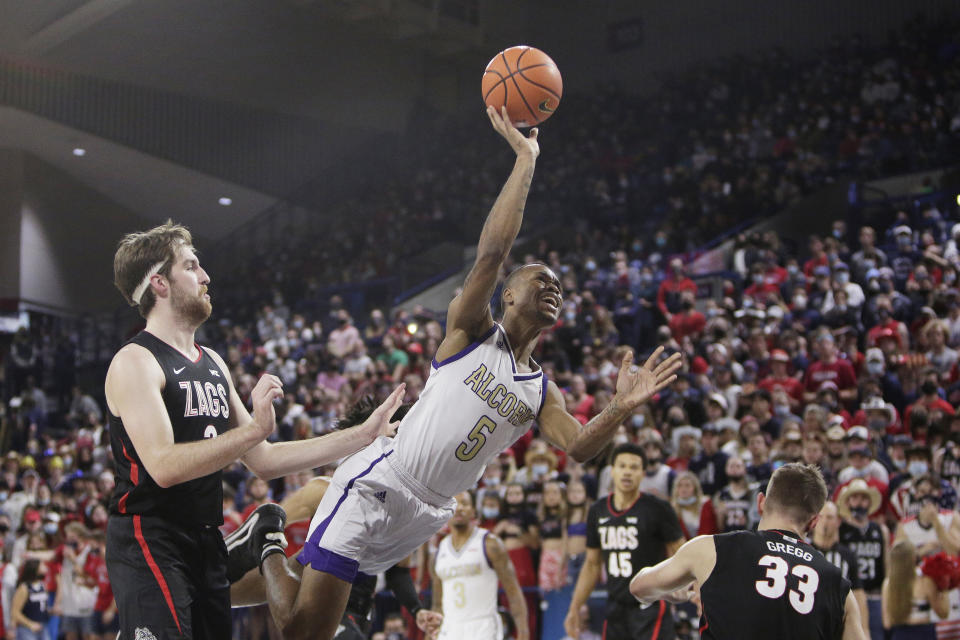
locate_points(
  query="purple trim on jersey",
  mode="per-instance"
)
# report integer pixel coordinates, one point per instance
(484, 545)
(329, 562)
(466, 350)
(513, 363)
(543, 393)
(323, 559)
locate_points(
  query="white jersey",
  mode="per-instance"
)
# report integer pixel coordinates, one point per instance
(473, 406)
(919, 535)
(469, 581)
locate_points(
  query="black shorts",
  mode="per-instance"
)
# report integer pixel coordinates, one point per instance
(630, 622)
(168, 579)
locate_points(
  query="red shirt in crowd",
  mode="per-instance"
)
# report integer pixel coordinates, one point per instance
(792, 386)
(840, 372)
(672, 288)
(96, 568)
(685, 324)
(938, 404)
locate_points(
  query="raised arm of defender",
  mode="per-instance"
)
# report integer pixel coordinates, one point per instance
(468, 315)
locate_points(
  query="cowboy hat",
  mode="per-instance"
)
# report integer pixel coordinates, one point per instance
(855, 486)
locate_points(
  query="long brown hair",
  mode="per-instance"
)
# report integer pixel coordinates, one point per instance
(901, 574)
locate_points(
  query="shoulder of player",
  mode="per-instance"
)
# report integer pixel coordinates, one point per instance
(493, 547)
(134, 361)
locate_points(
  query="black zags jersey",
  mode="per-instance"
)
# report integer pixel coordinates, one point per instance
(768, 584)
(868, 545)
(845, 559)
(630, 540)
(197, 397)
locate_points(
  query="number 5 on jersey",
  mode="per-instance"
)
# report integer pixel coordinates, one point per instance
(469, 448)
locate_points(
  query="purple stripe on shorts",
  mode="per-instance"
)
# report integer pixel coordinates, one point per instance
(312, 548)
(329, 562)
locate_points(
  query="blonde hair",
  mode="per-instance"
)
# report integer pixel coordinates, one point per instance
(901, 574)
(697, 489)
(141, 254)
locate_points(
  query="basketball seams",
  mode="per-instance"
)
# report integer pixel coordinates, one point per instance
(506, 65)
(496, 84)
(537, 84)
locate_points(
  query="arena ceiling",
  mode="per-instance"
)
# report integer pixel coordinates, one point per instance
(257, 53)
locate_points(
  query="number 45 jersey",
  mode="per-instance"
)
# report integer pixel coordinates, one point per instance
(474, 405)
(768, 584)
(630, 540)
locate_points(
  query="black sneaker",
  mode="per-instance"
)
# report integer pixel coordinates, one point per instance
(260, 535)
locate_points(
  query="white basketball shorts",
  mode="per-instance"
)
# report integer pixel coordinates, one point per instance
(369, 520)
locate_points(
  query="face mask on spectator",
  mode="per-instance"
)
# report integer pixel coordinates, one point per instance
(590, 265)
(903, 241)
(4, 495)
(950, 277)
(50, 528)
(637, 420)
(686, 502)
(843, 277)
(899, 464)
(792, 269)
(928, 387)
(540, 469)
(877, 424)
(869, 264)
(917, 468)
(490, 512)
(758, 278)
(652, 465)
(875, 368)
(800, 303)
(859, 513)
(491, 482)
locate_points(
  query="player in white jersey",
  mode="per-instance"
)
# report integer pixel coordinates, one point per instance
(483, 393)
(470, 563)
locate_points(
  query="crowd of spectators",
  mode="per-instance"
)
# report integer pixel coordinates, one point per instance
(841, 353)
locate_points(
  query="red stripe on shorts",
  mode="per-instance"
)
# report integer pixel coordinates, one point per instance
(138, 534)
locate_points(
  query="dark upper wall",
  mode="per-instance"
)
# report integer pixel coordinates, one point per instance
(68, 235)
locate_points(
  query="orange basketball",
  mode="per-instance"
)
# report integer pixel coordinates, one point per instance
(527, 81)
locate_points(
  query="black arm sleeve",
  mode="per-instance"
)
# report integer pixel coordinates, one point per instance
(400, 582)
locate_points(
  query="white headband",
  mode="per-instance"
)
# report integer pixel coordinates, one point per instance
(142, 287)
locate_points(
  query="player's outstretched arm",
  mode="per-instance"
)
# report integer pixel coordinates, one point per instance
(852, 628)
(635, 385)
(587, 580)
(669, 580)
(508, 578)
(133, 389)
(274, 459)
(468, 315)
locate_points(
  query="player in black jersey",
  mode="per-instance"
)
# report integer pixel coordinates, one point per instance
(175, 422)
(626, 531)
(869, 540)
(826, 540)
(767, 583)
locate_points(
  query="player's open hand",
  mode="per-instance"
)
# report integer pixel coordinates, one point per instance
(429, 622)
(378, 424)
(636, 385)
(269, 388)
(521, 144)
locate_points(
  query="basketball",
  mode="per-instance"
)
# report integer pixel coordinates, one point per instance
(527, 81)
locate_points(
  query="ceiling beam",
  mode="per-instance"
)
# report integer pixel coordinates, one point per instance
(73, 23)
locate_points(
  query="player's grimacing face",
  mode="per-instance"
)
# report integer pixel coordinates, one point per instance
(627, 471)
(540, 289)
